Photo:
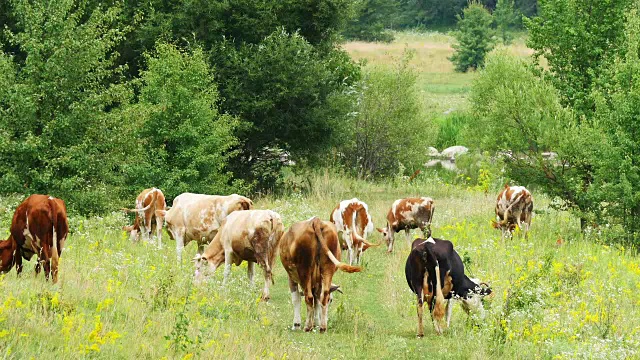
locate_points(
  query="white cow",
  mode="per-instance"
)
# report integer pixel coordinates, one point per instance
(198, 217)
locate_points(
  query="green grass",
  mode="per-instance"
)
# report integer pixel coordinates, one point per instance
(118, 300)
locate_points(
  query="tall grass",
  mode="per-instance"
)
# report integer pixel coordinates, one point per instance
(118, 299)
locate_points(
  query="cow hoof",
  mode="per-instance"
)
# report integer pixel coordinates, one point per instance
(323, 330)
(420, 336)
(307, 329)
(266, 298)
(296, 327)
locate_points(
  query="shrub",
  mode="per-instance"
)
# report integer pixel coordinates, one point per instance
(451, 129)
(475, 37)
(186, 141)
(387, 127)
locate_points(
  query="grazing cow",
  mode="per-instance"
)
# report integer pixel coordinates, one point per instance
(434, 266)
(514, 206)
(39, 226)
(352, 218)
(407, 214)
(251, 236)
(198, 217)
(147, 205)
(310, 253)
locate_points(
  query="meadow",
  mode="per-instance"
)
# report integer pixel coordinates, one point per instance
(559, 294)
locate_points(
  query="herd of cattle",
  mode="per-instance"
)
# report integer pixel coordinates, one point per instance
(227, 229)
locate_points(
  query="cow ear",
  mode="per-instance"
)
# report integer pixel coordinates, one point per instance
(335, 288)
(495, 224)
(198, 257)
(381, 230)
(161, 213)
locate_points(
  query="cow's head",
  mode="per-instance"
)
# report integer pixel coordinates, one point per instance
(333, 288)
(385, 233)
(133, 232)
(200, 263)
(8, 249)
(472, 304)
(503, 225)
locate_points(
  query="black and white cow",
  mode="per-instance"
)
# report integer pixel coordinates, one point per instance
(434, 267)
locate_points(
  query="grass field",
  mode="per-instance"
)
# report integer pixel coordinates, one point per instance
(123, 300)
(118, 300)
(443, 88)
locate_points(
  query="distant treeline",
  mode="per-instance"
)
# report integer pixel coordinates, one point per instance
(374, 16)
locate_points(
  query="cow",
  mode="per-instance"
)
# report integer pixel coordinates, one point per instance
(147, 205)
(252, 236)
(310, 253)
(198, 217)
(514, 206)
(39, 226)
(435, 268)
(352, 219)
(407, 214)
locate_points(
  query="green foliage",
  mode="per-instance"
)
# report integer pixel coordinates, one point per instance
(373, 18)
(290, 96)
(60, 119)
(616, 125)
(186, 140)
(451, 128)
(387, 128)
(506, 18)
(577, 38)
(474, 37)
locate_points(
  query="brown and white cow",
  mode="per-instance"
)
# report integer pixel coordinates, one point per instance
(147, 205)
(198, 217)
(39, 226)
(310, 253)
(514, 206)
(406, 214)
(251, 236)
(352, 219)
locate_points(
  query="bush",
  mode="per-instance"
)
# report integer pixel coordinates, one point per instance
(387, 128)
(186, 141)
(475, 37)
(61, 128)
(451, 129)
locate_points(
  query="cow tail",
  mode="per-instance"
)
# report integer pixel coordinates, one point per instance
(55, 257)
(272, 234)
(322, 247)
(438, 310)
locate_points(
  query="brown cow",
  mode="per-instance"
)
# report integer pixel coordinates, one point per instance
(514, 206)
(407, 214)
(352, 219)
(39, 226)
(250, 235)
(310, 253)
(147, 203)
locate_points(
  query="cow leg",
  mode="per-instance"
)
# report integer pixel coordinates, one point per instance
(267, 282)
(250, 271)
(179, 235)
(325, 297)
(420, 309)
(227, 265)
(449, 309)
(347, 239)
(159, 223)
(317, 313)
(296, 299)
(308, 298)
(46, 260)
(17, 258)
(407, 235)
(391, 239)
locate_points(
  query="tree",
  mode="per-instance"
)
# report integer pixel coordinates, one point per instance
(616, 159)
(378, 141)
(61, 128)
(372, 19)
(474, 37)
(186, 141)
(577, 38)
(506, 17)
